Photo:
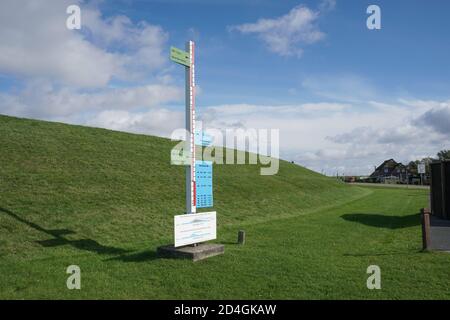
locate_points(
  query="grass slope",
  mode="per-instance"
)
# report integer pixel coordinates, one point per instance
(105, 200)
(120, 190)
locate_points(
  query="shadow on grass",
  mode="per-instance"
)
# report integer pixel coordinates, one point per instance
(60, 240)
(383, 221)
(136, 257)
(229, 242)
(398, 253)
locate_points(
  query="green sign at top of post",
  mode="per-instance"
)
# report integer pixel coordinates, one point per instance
(179, 56)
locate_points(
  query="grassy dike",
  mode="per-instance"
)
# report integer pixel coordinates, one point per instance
(105, 200)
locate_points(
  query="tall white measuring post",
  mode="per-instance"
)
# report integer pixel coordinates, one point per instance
(187, 58)
(194, 228)
(191, 191)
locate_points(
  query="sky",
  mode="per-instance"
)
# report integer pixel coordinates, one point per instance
(344, 97)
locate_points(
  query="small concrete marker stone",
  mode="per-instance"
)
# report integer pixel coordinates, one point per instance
(241, 237)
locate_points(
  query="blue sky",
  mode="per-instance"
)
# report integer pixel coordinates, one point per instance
(344, 97)
(409, 56)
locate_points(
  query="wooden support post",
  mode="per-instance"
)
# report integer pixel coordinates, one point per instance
(241, 237)
(425, 228)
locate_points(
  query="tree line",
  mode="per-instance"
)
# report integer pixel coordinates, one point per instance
(441, 156)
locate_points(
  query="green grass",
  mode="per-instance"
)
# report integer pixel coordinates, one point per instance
(105, 200)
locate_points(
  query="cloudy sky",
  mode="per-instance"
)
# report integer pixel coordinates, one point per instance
(344, 97)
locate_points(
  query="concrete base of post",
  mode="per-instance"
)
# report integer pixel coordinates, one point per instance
(198, 252)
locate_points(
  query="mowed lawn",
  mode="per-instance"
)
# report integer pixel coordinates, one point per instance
(317, 255)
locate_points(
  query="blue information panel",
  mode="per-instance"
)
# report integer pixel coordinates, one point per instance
(203, 180)
(203, 139)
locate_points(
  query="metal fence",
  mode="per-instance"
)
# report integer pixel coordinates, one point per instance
(440, 189)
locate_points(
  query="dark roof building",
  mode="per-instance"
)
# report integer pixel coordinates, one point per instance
(390, 170)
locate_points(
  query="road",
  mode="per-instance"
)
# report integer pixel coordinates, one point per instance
(405, 186)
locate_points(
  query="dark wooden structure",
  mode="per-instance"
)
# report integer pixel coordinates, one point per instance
(440, 189)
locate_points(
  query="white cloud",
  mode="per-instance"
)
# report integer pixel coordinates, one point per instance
(327, 5)
(160, 122)
(344, 87)
(34, 42)
(66, 75)
(42, 100)
(437, 119)
(348, 138)
(143, 43)
(305, 109)
(286, 35)
(325, 106)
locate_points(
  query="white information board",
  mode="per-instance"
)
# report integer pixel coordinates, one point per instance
(194, 228)
(421, 168)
